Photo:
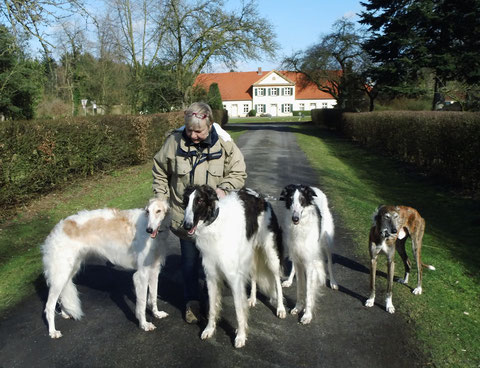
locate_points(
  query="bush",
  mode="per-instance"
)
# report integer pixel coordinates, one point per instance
(446, 144)
(220, 117)
(252, 112)
(37, 156)
(330, 118)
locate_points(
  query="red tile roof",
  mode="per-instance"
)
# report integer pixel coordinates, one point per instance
(236, 86)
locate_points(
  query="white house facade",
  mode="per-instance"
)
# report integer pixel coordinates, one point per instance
(274, 93)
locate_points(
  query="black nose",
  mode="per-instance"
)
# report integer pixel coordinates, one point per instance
(187, 226)
(394, 231)
(295, 218)
(149, 230)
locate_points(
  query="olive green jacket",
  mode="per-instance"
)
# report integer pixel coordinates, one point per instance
(172, 171)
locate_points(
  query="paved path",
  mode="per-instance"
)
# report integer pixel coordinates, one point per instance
(343, 333)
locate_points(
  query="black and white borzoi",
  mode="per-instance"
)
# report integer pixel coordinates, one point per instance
(308, 234)
(239, 238)
(133, 239)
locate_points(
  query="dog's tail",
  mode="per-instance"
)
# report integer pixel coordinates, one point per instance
(327, 231)
(70, 301)
(430, 267)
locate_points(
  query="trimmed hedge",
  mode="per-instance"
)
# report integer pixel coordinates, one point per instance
(444, 144)
(327, 117)
(37, 156)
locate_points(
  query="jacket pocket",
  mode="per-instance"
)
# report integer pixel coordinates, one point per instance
(182, 167)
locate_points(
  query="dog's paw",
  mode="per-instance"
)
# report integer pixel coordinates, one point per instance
(370, 302)
(306, 319)
(207, 333)
(252, 302)
(65, 315)
(418, 290)
(55, 334)
(281, 313)
(286, 284)
(390, 309)
(160, 314)
(333, 285)
(240, 341)
(148, 326)
(295, 311)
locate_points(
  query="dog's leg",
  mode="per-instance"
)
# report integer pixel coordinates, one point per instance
(252, 301)
(273, 264)
(391, 270)
(214, 301)
(333, 283)
(289, 281)
(153, 288)
(311, 288)
(53, 294)
(373, 271)
(241, 310)
(400, 245)
(140, 281)
(301, 286)
(417, 237)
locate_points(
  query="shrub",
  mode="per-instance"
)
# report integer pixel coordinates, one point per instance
(37, 156)
(330, 118)
(252, 112)
(446, 144)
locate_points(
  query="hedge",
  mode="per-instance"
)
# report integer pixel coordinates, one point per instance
(444, 144)
(37, 156)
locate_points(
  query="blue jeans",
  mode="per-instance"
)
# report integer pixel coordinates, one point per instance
(190, 257)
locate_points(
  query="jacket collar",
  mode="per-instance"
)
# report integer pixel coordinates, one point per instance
(208, 142)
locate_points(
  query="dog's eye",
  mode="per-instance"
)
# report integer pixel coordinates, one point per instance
(158, 211)
(147, 212)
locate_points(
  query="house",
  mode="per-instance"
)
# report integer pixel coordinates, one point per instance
(277, 93)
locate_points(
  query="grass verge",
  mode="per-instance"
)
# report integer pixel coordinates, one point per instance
(447, 315)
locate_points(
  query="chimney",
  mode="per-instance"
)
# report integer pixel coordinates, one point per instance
(259, 72)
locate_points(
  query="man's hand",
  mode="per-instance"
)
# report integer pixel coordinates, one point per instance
(220, 193)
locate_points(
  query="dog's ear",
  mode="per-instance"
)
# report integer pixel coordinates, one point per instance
(287, 191)
(375, 214)
(211, 193)
(308, 190)
(283, 194)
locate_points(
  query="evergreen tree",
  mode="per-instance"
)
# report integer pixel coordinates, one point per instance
(214, 97)
(20, 79)
(410, 36)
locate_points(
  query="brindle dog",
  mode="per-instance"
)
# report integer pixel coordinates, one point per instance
(392, 225)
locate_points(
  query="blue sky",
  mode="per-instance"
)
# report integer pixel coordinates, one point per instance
(298, 24)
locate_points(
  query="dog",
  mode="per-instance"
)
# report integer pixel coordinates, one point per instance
(392, 225)
(309, 233)
(132, 239)
(239, 238)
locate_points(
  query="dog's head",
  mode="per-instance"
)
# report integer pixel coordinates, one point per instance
(297, 197)
(156, 210)
(387, 220)
(201, 207)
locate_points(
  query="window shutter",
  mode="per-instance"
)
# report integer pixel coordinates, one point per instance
(255, 91)
(264, 108)
(282, 105)
(291, 107)
(269, 91)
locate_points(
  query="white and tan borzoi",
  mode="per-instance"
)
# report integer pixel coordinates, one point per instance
(308, 234)
(239, 238)
(133, 239)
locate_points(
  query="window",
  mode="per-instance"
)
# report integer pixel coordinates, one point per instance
(260, 108)
(287, 91)
(273, 91)
(301, 106)
(259, 91)
(313, 106)
(245, 109)
(286, 108)
(324, 105)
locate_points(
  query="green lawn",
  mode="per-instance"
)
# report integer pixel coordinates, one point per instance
(447, 314)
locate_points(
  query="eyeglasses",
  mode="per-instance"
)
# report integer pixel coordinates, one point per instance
(196, 114)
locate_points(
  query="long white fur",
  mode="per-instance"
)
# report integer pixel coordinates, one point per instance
(118, 236)
(228, 255)
(307, 243)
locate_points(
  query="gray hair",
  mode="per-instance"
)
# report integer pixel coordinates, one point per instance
(195, 109)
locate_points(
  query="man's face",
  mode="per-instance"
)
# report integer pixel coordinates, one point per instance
(198, 132)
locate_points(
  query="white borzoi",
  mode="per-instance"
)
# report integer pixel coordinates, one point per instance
(132, 239)
(238, 237)
(309, 232)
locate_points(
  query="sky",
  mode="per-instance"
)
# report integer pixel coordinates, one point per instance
(298, 25)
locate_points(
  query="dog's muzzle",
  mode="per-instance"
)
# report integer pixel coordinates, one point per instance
(295, 219)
